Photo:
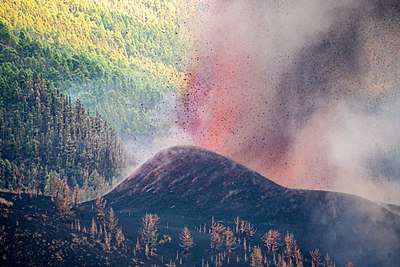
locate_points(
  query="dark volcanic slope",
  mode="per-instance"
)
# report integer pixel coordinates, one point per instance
(186, 177)
(196, 183)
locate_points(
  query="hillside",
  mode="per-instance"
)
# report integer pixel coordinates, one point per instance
(76, 78)
(33, 233)
(119, 58)
(88, 87)
(189, 187)
(43, 136)
(197, 184)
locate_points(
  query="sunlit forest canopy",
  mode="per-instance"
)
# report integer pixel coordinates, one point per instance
(120, 58)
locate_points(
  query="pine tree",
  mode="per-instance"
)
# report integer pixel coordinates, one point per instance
(149, 232)
(52, 187)
(95, 182)
(186, 240)
(119, 236)
(100, 207)
(64, 201)
(112, 221)
(290, 247)
(43, 136)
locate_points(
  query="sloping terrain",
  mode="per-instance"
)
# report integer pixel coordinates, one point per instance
(119, 58)
(33, 234)
(187, 186)
(197, 184)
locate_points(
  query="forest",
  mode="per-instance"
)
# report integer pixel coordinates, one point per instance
(44, 135)
(119, 58)
(77, 79)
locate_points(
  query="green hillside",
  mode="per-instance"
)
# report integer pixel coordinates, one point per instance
(75, 77)
(44, 136)
(120, 58)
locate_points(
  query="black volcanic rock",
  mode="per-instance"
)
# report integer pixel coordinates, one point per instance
(197, 184)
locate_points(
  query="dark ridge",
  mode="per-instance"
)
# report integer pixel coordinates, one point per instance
(193, 183)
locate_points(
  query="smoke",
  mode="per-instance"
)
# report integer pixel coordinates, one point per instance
(353, 151)
(305, 92)
(167, 133)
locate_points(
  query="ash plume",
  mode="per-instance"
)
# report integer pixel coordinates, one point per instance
(305, 92)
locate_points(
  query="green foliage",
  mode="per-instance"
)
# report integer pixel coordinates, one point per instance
(149, 232)
(118, 57)
(45, 138)
(53, 180)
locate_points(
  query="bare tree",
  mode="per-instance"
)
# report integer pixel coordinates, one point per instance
(272, 240)
(217, 236)
(256, 257)
(186, 240)
(137, 245)
(237, 225)
(299, 258)
(316, 257)
(230, 240)
(329, 262)
(249, 230)
(241, 228)
(290, 247)
(149, 232)
(146, 251)
(107, 241)
(165, 239)
(78, 226)
(134, 257)
(93, 228)
(100, 232)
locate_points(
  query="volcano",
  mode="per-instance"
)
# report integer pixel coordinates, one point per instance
(194, 184)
